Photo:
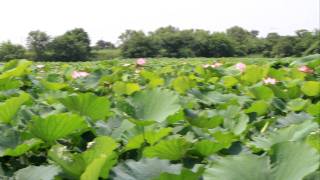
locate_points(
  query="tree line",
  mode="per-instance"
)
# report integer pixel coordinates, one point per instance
(74, 45)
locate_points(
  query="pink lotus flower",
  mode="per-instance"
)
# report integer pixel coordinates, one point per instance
(305, 69)
(269, 80)
(141, 61)
(77, 74)
(215, 65)
(205, 65)
(40, 66)
(241, 66)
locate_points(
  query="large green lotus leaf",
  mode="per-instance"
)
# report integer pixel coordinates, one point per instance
(125, 88)
(240, 167)
(173, 149)
(306, 59)
(87, 104)
(311, 88)
(224, 138)
(56, 126)
(290, 160)
(295, 132)
(145, 169)
(9, 83)
(253, 74)
(262, 92)
(293, 118)
(22, 148)
(214, 97)
(293, 160)
(53, 85)
(10, 138)
(260, 107)
(314, 109)
(313, 176)
(279, 74)
(185, 174)
(93, 170)
(154, 79)
(155, 104)
(297, 104)
(182, 83)
(235, 119)
(72, 164)
(37, 172)
(229, 81)
(110, 162)
(10, 107)
(99, 155)
(102, 145)
(207, 147)
(99, 167)
(149, 136)
(206, 122)
(314, 140)
(18, 70)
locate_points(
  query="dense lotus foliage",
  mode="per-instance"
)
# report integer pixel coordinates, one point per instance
(161, 119)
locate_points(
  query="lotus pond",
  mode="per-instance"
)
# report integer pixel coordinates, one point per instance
(161, 119)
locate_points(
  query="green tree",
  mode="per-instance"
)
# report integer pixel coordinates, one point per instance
(175, 43)
(200, 45)
(220, 45)
(101, 44)
(285, 47)
(74, 45)
(241, 38)
(136, 44)
(10, 51)
(269, 42)
(37, 43)
(304, 39)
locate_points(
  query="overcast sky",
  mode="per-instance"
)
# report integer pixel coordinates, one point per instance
(107, 19)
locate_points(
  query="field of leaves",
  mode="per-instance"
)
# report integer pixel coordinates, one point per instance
(161, 119)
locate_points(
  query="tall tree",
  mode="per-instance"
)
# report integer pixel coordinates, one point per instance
(72, 46)
(101, 44)
(10, 51)
(37, 43)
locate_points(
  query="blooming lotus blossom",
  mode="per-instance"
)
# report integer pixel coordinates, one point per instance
(305, 69)
(215, 65)
(269, 80)
(77, 74)
(205, 65)
(40, 66)
(141, 61)
(241, 66)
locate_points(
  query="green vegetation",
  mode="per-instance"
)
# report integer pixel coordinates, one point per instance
(74, 45)
(160, 119)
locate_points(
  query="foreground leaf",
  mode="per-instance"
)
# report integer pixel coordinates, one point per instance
(173, 149)
(87, 104)
(155, 104)
(145, 169)
(10, 107)
(295, 132)
(37, 172)
(244, 167)
(290, 160)
(293, 161)
(56, 126)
